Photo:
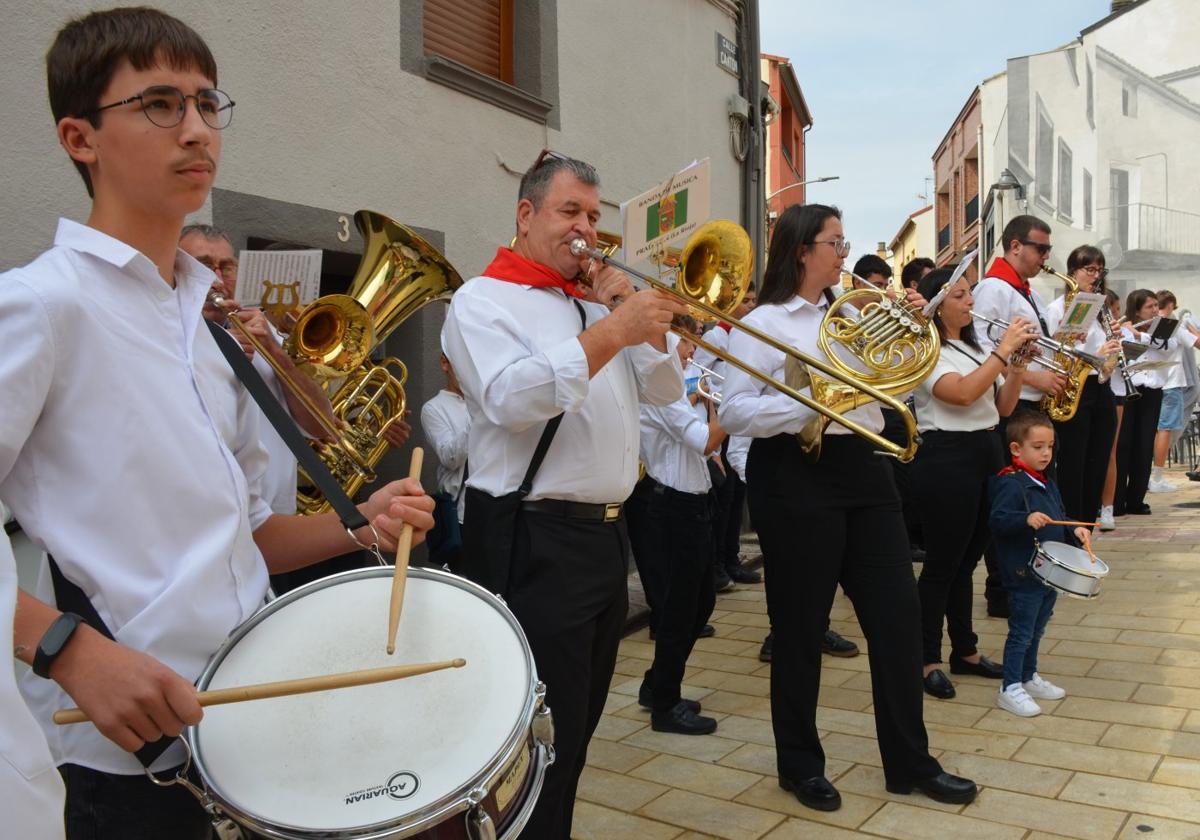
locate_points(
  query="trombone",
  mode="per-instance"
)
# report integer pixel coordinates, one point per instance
(714, 266)
(711, 376)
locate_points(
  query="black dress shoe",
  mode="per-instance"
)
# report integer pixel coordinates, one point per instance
(721, 581)
(983, 668)
(646, 699)
(835, 645)
(953, 790)
(816, 793)
(1142, 510)
(682, 721)
(706, 632)
(938, 685)
(740, 574)
(764, 652)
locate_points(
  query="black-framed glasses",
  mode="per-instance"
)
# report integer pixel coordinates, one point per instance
(225, 268)
(1095, 271)
(1043, 247)
(165, 106)
(841, 247)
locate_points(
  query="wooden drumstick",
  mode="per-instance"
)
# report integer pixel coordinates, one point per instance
(1069, 522)
(400, 575)
(286, 688)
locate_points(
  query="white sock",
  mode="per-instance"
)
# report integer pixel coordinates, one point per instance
(1106, 510)
(1156, 474)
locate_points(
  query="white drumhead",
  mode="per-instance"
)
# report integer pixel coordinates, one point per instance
(1075, 559)
(368, 755)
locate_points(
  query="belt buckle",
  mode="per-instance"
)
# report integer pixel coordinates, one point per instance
(612, 511)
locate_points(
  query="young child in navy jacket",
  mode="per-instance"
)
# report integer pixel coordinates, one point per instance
(1024, 501)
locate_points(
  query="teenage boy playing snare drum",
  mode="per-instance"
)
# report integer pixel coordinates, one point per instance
(1024, 502)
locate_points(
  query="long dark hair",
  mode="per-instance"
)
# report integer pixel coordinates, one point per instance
(1136, 300)
(928, 288)
(797, 227)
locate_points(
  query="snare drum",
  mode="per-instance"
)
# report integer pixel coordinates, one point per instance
(460, 753)
(1070, 570)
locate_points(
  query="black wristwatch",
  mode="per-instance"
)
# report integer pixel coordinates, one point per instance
(53, 642)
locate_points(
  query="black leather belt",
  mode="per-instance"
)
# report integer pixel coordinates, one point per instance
(609, 512)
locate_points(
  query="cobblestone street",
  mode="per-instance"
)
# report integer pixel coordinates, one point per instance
(1119, 757)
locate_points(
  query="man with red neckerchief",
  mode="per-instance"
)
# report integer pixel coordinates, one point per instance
(530, 343)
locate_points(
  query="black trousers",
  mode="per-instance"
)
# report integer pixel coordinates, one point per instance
(838, 521)
(893, 430)
(727, 523)
(567, 588)
(1084, 444)
(108, 806)
(671, 537)
(950, 476)
(1135, 450)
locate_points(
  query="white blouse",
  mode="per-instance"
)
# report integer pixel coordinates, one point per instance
(932, 413)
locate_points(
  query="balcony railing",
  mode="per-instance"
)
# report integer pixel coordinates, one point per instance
(971, 211)
(1148, 227)
(943, 238)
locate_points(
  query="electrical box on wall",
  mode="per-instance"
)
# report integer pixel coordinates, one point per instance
(738, 106)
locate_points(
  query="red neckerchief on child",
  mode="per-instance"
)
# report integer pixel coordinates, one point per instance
(725, 326)
(1018, 465)
(1003, 270)
(511, 267)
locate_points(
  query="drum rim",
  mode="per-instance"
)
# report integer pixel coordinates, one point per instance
(432, 814)
(1099, 574)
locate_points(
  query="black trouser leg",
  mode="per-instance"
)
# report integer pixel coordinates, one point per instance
(1083, 445)
(683, 556)
(567, 589)
(731, 537)
(1135, 449)
(106, 806)
(950, 488)
(644, 544)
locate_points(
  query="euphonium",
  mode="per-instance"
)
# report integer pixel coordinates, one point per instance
(398, 274)
(1062, 407)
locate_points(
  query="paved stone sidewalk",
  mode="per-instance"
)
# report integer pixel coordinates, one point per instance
(1119, 757)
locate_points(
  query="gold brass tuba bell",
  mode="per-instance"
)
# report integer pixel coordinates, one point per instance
(398, 274)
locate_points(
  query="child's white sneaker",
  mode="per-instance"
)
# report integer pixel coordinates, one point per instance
(1160, 485)
(1107, 523)
(1043, 689)
(1016, 699)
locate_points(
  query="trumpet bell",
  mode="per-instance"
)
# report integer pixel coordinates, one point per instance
(715, 265)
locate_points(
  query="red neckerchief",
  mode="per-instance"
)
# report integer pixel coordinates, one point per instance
(725, 326)
(1018, 465)
(1003, 269)
(511, 267)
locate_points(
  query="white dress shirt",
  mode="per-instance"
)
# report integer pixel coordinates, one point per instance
(31, 790)
(673, 443)
(516, 352)
(130, 452)
(736, 454)
(1172, 352)
(278, 487)
(447, 425)
(717, 336)
(753, 409)
(996, 299)
(932, 413)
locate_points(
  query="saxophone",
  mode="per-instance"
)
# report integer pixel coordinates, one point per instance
(1062, 408)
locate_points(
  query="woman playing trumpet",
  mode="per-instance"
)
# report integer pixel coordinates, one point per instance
(958, 409)
(824, 522)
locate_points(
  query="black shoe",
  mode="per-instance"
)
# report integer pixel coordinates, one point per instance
(646, 699)
(816, 793)
(682, 720)
(764, 652)
(918, 553)
(1143, 510)
(721, 581)
(835, 645)
(983, 668)
(938, 685)
(706, 632)
(998, 609)
(740, 574)
(1193, 475)
(953, 790)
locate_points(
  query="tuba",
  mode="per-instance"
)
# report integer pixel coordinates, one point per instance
(1074, 366)
(399, 273)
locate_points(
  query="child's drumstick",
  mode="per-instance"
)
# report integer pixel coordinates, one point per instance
(400, 575)
(286, 688)
(1068, 522)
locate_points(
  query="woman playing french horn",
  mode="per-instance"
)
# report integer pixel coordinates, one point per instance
(833, 520)
(958, 409)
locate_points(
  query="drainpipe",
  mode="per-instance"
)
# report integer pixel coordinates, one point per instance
(753, 192)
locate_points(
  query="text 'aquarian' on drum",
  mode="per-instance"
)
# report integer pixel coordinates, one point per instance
(401, 785)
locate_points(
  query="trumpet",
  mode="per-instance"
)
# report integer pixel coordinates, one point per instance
(1050, 345)
(714, 266)
(711, 376)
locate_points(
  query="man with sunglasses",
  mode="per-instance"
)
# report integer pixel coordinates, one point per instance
(128, 449)
(545, 367)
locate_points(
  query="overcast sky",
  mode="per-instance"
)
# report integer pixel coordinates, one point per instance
(885, 78)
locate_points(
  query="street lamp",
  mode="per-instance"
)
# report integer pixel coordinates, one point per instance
(820, 180)
(1007, 181)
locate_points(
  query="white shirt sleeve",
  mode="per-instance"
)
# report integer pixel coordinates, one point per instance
(449, 442)
(751, 408)
(251, 455)
(26, 367)
(659, 375)
(991, 303)
(680, 422)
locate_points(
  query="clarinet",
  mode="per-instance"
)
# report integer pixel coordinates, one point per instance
(1131, 391)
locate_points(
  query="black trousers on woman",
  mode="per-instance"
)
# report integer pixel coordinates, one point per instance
(950, 476)
(1083, 445)
(1135, 450)
(820, 524)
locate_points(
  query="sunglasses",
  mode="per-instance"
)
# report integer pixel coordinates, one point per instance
(1043, 247)
(547, 154)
